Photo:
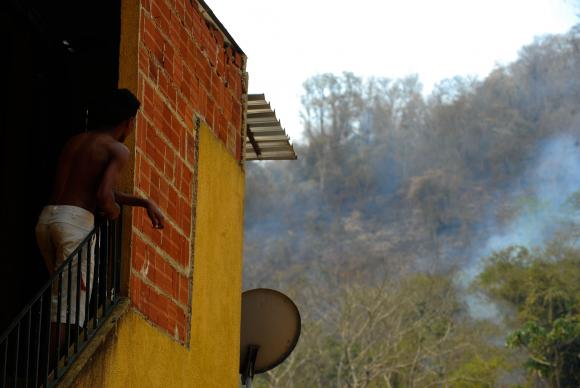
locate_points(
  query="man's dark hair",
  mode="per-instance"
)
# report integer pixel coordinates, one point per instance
(112, 108)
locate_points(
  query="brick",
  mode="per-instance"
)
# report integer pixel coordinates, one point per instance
(190, 148)
(145, 167)
(176, 36)
(197, 25)
(153, 71)
(180, 10)
(148, 98)
(173, 312)
(217, 90)
(237, 60)
(209, 113)
(134, 291)
(167, 61)
(164, 282)
(193, 53)
(186, 182)
(173, 197)
(237, 117)
(175, 285)
(221, 67)
(185, 211)
(165, 119)
(216, 35)
(185, 252)
(221, 132)
(143, 58)
(207, 43)
(168, 170)
(179, 130)
(139, 247)
(161, 13)
(187, 82)
(163, 83)
(177, 73)
(172, 211)
(229, 55)
(203, 72)
(188, 119)
(136, 219)
(184, 290)
(188, 18)
(212, 49)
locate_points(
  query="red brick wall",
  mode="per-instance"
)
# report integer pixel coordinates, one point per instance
(184, 70)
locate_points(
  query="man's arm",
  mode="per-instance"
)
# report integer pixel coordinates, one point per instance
(105, 194)
(130, 200)
(153, 211)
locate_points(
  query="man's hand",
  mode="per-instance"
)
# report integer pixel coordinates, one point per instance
(154, 214)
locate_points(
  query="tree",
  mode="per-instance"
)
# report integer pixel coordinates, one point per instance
(395, 334)
(543, 287)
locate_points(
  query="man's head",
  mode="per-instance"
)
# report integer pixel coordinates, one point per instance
(114, 110)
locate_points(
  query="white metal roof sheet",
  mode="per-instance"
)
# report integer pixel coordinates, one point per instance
(265, 137)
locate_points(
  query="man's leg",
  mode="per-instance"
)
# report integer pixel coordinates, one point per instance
(67, 238)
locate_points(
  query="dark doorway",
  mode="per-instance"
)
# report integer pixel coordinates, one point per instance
(55, 56)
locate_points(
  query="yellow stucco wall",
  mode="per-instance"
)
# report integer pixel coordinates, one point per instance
(140, 355)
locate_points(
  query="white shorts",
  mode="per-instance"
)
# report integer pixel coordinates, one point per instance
(59, 231)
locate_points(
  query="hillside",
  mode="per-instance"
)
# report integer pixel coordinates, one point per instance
(396, 201)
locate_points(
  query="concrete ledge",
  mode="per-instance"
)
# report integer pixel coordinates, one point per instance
(104, 333)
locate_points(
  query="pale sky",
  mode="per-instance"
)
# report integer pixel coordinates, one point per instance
(289, 41)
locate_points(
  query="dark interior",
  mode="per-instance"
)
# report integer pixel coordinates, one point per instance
(55, 56)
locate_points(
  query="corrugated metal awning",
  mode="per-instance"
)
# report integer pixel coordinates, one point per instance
(266, 139)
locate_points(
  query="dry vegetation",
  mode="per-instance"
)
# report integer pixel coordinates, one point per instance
(393, 198)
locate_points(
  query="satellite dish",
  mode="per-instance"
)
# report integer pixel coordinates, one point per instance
(269, 332)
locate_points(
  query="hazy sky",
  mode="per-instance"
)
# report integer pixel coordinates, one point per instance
(288, 41)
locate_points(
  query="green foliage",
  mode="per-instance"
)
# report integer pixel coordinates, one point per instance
(505, 277)
(554, 349)
(478, 372)
(544, 290)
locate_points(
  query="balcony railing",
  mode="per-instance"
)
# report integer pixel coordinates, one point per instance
(34, 352)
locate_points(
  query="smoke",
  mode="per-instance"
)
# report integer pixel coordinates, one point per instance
(541, 199)
(532, 211)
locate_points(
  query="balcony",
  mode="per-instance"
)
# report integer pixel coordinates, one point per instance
(30, 354)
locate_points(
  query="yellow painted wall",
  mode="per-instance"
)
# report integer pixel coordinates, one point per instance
(140, 355)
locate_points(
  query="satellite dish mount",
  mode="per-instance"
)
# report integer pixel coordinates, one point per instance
(250, 364)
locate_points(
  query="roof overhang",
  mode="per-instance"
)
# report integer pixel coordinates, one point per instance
(265, 137)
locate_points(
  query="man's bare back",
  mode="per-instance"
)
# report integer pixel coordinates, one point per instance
(82, 169)
(91, 162)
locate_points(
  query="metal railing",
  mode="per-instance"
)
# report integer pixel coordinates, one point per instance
(46, 337)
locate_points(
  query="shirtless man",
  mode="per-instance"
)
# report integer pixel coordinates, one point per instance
(87, 170)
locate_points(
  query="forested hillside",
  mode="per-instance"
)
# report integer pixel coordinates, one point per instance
(429, 240)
